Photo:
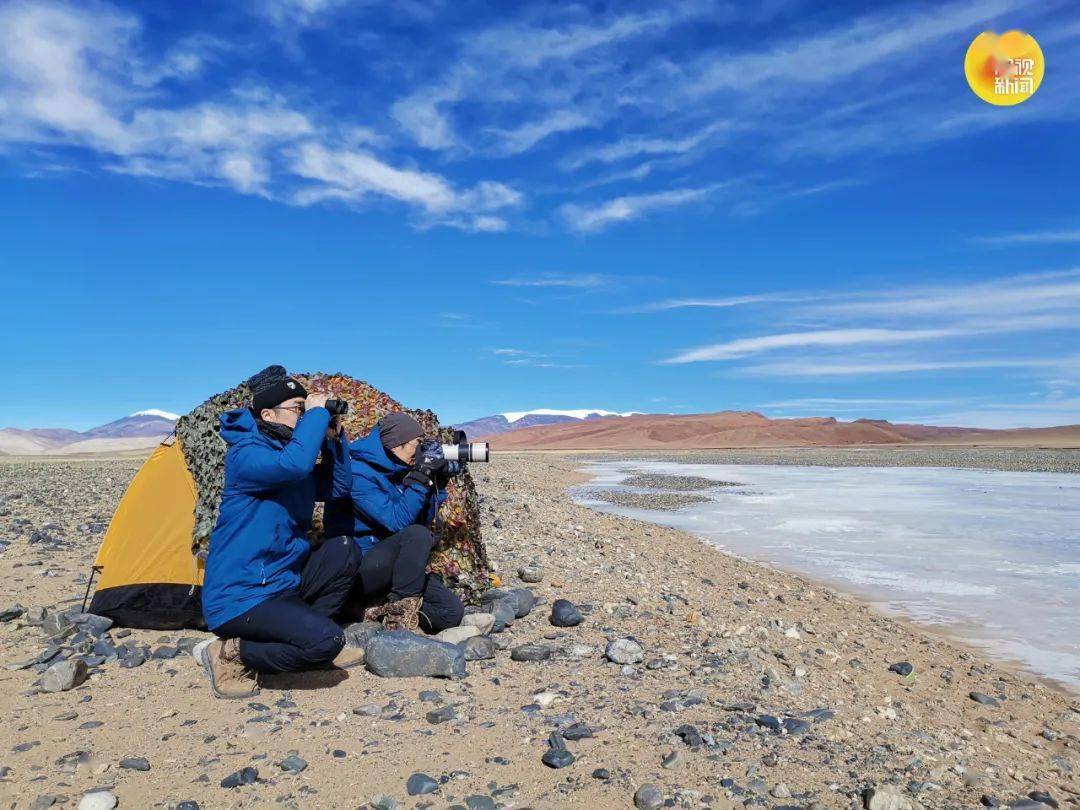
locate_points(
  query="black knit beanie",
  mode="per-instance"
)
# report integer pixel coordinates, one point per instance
(398, 428)
(276, 392)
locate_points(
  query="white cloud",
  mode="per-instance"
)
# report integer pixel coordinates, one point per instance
(71, 76)
(49, 83)
(1032, 238)
(833, 368)
(585, 281)
(846, 50)
(797, 340)
(527, 135)
(709, 303)
(353, 175)
(592, 219)
(1029, 294)
(851, 404)
(636, 145)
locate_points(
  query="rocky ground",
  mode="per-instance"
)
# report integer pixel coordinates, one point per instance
(693, 679)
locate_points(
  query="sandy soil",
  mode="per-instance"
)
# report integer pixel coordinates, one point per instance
(728, 644)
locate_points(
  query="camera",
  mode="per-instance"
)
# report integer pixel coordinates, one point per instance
(337, 407)
(462, 450)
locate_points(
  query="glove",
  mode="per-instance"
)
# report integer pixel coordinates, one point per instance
(428, 464)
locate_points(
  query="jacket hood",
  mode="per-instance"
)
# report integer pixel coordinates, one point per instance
(241, 424)
(370, 450)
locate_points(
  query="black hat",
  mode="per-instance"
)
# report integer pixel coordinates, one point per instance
(396, 429)
(276, 392)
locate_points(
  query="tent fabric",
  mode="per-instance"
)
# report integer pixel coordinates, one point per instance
(149, 576)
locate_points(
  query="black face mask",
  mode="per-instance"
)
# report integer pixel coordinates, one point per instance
(274, 430)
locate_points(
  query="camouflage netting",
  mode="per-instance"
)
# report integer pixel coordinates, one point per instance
(459, 556)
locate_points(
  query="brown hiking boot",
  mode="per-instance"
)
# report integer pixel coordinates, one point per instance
(404, 614)
(375, 613)
(229, 677)
(348, 657)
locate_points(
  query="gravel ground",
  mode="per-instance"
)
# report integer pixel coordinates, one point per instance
(677, 483)
(733, 684)
(662, 501)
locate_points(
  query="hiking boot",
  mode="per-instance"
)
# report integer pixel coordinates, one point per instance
(404, 614)
(229, 677)
(375, 613)
(348, 657)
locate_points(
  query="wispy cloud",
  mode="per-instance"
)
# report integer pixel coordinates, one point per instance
(798, 340)
(852, 404)
(581, 282)
(1032, 238)
(83, 77)
(833, 368)
(523, 357)
(591, 219)
(1026, 294)
(669, 304)
(637, 145)
(353, 175)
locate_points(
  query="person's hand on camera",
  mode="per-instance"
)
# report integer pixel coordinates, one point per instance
(315, 401)
(428, 464)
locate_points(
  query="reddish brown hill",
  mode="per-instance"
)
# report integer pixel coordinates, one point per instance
(750, 429)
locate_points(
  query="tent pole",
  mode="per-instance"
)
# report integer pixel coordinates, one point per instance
(89, 582)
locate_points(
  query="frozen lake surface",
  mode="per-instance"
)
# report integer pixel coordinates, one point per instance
(994, 556)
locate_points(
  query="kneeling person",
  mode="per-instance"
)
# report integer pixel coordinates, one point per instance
(268, 597)
(394, 497)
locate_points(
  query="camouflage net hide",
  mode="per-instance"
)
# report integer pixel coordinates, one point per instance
(459, 555)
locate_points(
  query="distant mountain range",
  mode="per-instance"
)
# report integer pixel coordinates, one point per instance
(516, 420)
(732, 429)
(140, 429)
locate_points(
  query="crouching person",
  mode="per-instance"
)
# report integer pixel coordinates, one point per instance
(394, 497)
(267, 595)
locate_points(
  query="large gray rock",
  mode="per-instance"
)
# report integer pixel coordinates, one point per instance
(13, 612)
(98, 800)
(533, 651)
(478, 648)
(624, 651)
(92, 623)
(524, 600)
(456, 635)
(887, 797)
(63, 675)
(504, 611)
(358, 634)
(483, 621)
(648, 797)
(565, 614)
(401, 654)
(531, 573)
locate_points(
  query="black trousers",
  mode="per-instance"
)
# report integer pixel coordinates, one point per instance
(395, 568)
(295, 630)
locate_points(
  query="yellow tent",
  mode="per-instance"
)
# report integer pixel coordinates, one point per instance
(149, 576)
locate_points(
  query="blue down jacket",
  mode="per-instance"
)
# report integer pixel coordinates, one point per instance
(259, 546)
(380, 502)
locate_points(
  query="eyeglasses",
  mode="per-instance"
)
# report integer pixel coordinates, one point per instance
(297, 409)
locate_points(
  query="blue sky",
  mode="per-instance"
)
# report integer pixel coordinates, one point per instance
(790, 207)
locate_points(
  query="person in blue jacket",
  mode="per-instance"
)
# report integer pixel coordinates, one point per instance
(395, 494)
(266, 594)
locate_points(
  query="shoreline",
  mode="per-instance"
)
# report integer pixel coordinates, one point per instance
(863, 597)
(979, 458)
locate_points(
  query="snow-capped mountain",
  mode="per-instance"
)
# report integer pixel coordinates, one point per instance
(142, 428)
(515, 420)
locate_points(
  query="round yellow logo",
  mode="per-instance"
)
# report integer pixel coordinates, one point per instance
(1004, 70)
